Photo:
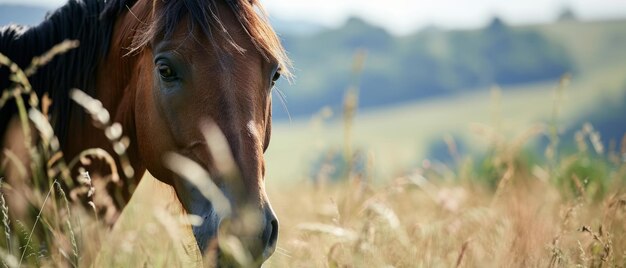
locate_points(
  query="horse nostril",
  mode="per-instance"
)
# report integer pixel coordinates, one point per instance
(274, 236)
(270, 236)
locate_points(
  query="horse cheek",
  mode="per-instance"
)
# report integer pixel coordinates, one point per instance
(153, 137)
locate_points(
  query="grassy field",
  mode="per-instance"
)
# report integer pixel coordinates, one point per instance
(594, 45)
(493, 207)
(411, 222)
(400, 136)
(563, 212)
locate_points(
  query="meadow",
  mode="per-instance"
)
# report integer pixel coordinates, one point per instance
(492, 206)
(357, 189)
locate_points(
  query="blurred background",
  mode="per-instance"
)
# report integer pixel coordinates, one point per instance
(398, 84)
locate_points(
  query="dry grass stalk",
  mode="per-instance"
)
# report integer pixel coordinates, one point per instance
(464, 248)
(37, 219)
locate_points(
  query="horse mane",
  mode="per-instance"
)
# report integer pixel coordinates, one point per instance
(76, 20)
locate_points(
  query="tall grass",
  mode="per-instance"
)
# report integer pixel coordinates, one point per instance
(44, 228)
(535, 217)
(497, 210)
(557, 210)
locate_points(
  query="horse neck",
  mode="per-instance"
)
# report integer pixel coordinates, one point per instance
(77, 20)
(116, 71)
(117, 79)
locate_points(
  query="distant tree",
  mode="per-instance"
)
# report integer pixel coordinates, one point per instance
(429, 63)
(567, 14)
(496, 24)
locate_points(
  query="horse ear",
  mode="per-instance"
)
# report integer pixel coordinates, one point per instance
(115, 7)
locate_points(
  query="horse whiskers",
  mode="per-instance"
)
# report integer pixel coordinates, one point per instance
(283, 101)
(283, 252)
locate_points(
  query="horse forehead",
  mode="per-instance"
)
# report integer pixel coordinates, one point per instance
(233, 46)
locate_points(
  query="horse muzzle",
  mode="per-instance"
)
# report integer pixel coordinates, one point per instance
(251, 231)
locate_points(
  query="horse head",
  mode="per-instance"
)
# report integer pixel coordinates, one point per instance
(190, 64)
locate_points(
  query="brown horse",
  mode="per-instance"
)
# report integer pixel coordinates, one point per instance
(163, 68)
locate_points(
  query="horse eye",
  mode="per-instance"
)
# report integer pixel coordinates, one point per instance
(166, 72)
(276, 76)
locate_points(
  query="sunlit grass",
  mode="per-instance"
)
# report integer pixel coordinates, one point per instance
(407, 223)
(496, 210)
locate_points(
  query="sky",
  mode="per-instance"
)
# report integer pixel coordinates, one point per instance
(405, 16)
